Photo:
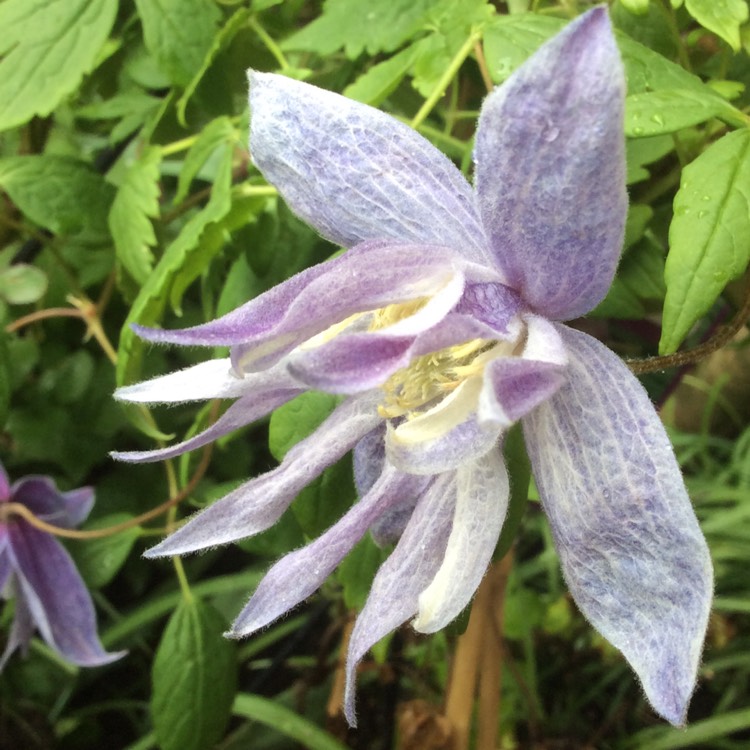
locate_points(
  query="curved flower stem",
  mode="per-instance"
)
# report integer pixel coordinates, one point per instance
(483, 69)
(446, 78)
(83, 308)
(16, 509)
(269, 43)
(679, 359)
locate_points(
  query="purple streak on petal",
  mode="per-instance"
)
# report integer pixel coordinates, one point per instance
(351, 363)
(368, 459)
(513, 387)
(481, 505)
(325, 294)
(300, 573)
(355, 173)
(41, 496)
(354, 362)
(389, 527)
(550, 170)
(402, 577)
(5, 566)
(57, 598)
(493, 304)
(4, 485)
(22, 628)
(256, 505)
(206, 380)
(241, 413)
(630, 546)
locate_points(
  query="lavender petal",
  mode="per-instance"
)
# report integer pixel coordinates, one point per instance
(550, 170)
(355, 173)
(411, 566)
(299, 574)
(481, 504)
(256, 505)
(56, 597)
(630, 546)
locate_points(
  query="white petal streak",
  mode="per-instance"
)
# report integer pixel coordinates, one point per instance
(481, 505)
(207, 380)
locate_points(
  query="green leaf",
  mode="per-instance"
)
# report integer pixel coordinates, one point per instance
(49, 45)
(509, 40)
(5, 378)
(99, 560)
(199, 238)
(644, 151)
(136, 203)
(708, 234)
(322, 502)
(179, 34)
(326, 499)
(22, 284)
(172, 272)
(194, 679)
(285, 721)
(659, 112)
(219, 43)
(723, 17)
(217, 132)
(380, 81)
(639, 279)
(639, 7)
(357, 570)
(519, 470)
(359, 26)
(60, 193)
(452, 24)
(297, 420)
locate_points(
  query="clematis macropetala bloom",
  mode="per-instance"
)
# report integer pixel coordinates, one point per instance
(441, 327)
(37, 572)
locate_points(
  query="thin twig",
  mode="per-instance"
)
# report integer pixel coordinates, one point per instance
(483, 68)
(16, 509)
(679, 359)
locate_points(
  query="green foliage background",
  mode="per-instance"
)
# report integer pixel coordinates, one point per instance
(127, 195)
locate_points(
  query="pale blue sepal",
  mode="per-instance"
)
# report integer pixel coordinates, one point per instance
(631, 550)
(411, 566)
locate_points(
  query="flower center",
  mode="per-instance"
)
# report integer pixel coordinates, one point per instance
(433, 376)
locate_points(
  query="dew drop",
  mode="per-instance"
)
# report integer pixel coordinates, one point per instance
(658, 119)
(638, 130)
(701, 214)
(706, 198)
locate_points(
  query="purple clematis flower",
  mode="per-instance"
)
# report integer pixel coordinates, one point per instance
(39, 574)
(441, 328)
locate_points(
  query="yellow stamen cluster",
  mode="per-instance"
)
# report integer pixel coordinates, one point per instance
(431, 377)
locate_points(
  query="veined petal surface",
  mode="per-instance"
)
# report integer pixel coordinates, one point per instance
(550, 170)
(371, 275)
(482, 491)
(213, 378)
(631, 550)
(256, 505)
(41, 496)
(411, 566)
(355, 173)
(57, 599)
(300, 573)
(241, 413)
